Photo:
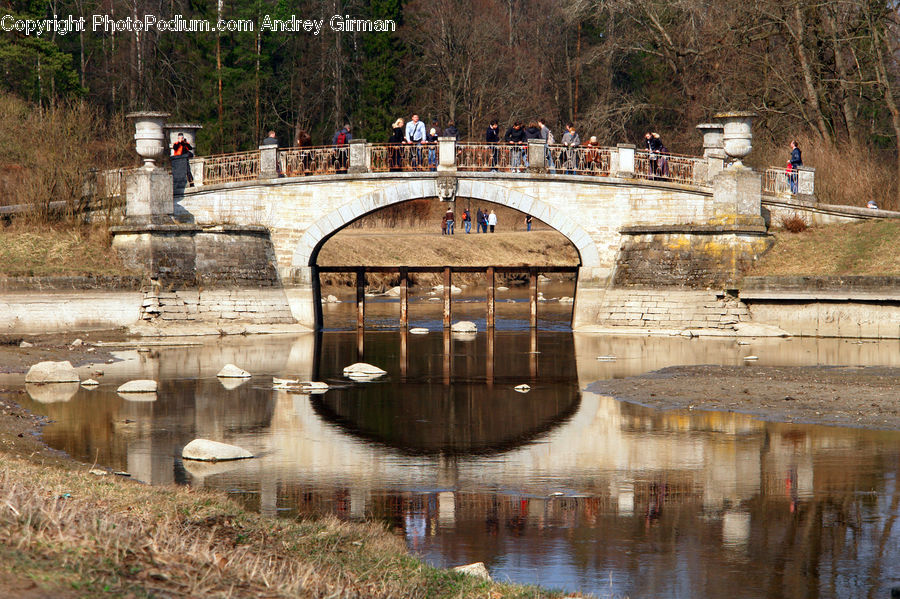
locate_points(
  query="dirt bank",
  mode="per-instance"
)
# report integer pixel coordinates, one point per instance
(56, 347)
(867, 397)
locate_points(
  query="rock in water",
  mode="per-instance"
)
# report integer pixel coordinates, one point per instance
(464, 326)
(90, 383)
(230, 371)
(363, 369)
(205, 450)
(418, 331)
(522, 388)
(138, 386)
(478, 569)
(52, 372)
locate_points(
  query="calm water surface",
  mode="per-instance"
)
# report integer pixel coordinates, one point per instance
(558, 486)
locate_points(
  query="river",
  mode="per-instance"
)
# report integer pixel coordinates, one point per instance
(557, 486)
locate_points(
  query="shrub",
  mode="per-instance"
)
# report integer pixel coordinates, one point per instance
(793, 222)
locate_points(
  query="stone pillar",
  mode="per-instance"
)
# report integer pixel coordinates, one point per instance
(446, 155)
(268, 161)
(715, 163)
(626, 161)
(359, 156)
(737, 197)
(303, 295)
(806, 182)
(148, 197)
(537, 155)
(589, 291)
(713, 143)
(197, 170)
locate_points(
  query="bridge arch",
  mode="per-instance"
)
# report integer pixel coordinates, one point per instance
(320, 231)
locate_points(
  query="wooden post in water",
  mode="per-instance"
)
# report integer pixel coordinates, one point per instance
(360, 298)
(490, 357)
(404, 353)
(404, 302)
(533, 355)
(533, 294)
(360, 344)
(447, 285)
(490, 297)
(447, 355)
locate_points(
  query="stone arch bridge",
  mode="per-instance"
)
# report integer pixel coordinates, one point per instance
(693, 224)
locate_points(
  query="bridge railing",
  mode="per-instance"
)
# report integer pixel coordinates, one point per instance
(659, 166)
(472, 156)
(580, 160)
(778, 181)
(623, 161)
(239, 166)
(403, 157)
(313, 160)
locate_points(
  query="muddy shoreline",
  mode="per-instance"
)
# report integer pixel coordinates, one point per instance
(852, 396)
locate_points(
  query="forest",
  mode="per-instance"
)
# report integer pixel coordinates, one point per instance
(824, 72)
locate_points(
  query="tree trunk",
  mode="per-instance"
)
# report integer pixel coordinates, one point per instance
(849, 111)
(879, 38)
(812, 95)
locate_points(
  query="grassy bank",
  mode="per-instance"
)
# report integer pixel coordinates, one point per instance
(37, 250)
(866, 248)
(65, 532)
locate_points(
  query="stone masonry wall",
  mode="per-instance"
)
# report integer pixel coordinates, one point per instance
(670, 309)
(691, 257)
(259, 306)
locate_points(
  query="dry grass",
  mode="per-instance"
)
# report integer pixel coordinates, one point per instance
(32, 250)
(81, 535)
(867, 248)
(47, 152)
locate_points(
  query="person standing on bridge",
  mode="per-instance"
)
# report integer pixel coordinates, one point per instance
(547, 136)
(571, 141)
(415, 134)
(492, 220)
(271, 140)
(654, 149)
(492, 136)
(515, 136)
(342, 137)
(796, 161)
(395, 152)
(183, 148)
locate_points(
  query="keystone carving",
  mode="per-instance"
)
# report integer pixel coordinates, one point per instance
(446, 188)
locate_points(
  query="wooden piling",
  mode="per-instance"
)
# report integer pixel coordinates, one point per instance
(490, 297)
(447, 355)
(404, 300)
(533, 355)
(447, 284)
(533, 294)
(360, 298)
(404, 353)
(490, 357)
(360, 344)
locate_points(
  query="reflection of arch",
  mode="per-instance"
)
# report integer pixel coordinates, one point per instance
(331, 223)
(448, 425)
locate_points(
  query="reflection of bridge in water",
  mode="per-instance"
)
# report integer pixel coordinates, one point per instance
(511, 471)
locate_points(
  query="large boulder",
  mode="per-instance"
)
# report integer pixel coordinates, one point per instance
(478, 569)
(230, 371)
(363, 372)
(138, 386)
(52, 372)
(464, 326)
(205, 450)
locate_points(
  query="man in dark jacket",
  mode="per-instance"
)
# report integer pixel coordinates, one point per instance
(451, 131)
(492, 136)
(516, 135)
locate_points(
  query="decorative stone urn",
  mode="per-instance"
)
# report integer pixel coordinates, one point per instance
(149, 140)
(189, 130)
(713, 144)
(737, 133)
